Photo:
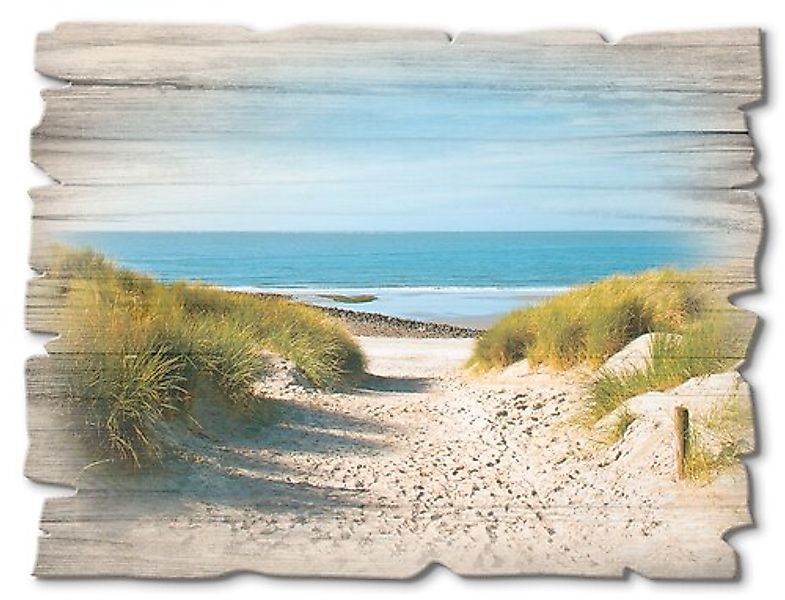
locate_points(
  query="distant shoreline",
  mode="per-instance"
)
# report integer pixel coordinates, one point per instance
(429, 313)
(363, 323)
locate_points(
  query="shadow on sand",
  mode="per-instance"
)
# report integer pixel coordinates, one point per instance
(233, 462)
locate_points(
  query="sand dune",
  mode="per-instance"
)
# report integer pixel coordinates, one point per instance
(486, 475)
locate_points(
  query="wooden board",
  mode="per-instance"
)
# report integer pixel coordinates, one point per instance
(174, 128)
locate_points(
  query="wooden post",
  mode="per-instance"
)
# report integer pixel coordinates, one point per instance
(681, 422)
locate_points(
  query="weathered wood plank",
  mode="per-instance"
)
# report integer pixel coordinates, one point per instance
(717, 62)
(115, 112)
(131, 141)
(715, 163)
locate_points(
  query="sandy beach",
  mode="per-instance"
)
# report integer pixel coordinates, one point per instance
(424, 463)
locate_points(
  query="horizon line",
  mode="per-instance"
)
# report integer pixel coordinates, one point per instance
(384, 231)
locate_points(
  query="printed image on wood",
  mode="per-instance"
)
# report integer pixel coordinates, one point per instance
(351, 302)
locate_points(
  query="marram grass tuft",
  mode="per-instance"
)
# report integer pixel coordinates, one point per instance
(590, 323)
(139, 346)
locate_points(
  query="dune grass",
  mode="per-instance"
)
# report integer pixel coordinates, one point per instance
(319, 344)
(720, 439)
(619, 427)
(705, 346)
(137, 347)
(590, 323)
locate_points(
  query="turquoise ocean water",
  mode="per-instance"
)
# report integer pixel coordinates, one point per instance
(459, 277)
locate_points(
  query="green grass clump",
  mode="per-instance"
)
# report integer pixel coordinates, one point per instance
(128, 396)
(590, 323)
(620, 426)
(706, 346)
(137, 348)
(320, 346)
(701, 464)
(720, 439)
(121, 369)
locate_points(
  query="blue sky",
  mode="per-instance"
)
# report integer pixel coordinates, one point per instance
(470, 155)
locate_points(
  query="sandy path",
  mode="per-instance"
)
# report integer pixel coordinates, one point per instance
(422, 465)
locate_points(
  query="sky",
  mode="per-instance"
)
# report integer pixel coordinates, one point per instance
(470, 148)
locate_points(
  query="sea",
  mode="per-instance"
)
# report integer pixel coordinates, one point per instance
(465, 278)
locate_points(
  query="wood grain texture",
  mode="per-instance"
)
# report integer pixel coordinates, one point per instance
(128, 128)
